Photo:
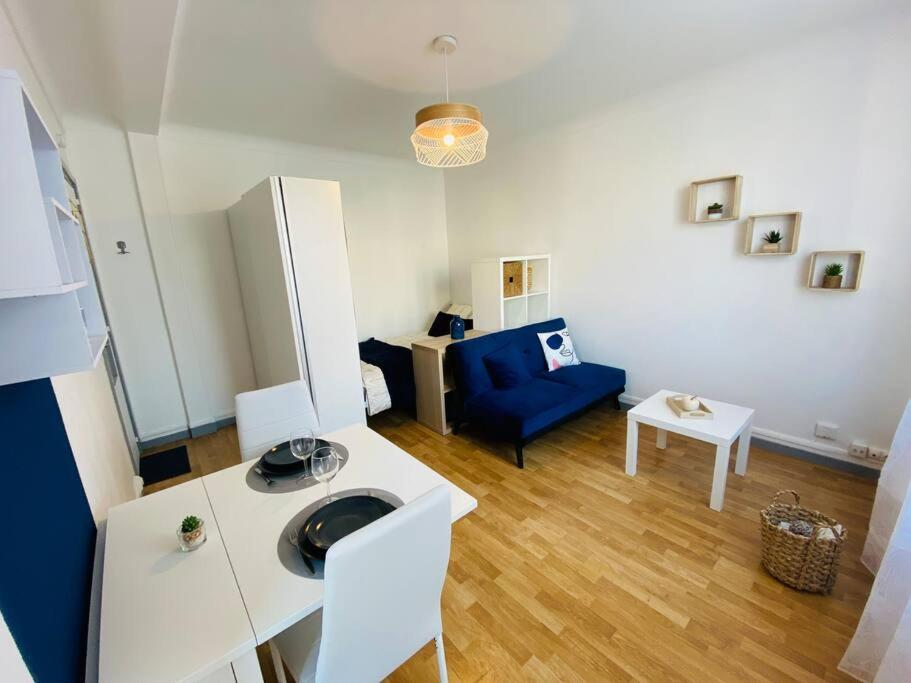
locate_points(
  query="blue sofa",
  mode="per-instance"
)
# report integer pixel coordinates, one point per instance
(541, 400)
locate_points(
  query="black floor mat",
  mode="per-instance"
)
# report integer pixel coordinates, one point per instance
(164, 465)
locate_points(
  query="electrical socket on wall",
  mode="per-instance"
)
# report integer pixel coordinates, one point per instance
(878, 454)
(858, 449)
(827, 430)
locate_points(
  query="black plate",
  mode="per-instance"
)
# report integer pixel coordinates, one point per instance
(337, 519)
(279, 460)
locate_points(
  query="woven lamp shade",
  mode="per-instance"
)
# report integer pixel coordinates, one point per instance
(449, 135)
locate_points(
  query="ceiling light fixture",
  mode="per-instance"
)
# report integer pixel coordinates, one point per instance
(449, 134)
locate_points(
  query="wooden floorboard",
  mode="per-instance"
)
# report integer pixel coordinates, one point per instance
(571, 571)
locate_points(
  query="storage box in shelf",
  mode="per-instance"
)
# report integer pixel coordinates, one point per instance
(513, 279)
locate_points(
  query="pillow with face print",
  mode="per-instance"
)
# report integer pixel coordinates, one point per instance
(558, 349)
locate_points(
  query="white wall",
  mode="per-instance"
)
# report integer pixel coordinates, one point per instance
(395, 220)
(822, 128)
(99, 159)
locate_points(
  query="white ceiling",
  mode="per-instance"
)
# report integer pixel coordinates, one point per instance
(351, 73)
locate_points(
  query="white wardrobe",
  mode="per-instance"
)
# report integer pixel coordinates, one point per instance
(292, 261)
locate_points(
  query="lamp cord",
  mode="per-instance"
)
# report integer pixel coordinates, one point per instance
(446, 72)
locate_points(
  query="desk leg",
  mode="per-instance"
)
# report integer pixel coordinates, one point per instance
(661, 440)
(632, 446)
(722, 456)
(743, 450)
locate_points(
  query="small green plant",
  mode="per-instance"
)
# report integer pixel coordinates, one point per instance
(190, 524)
(772, 237)
(715, 208)
(834, 269)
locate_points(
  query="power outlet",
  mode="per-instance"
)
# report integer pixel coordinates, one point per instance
(878, 454)
(827, 430)
(858, 449)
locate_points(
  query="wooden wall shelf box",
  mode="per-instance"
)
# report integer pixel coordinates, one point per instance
(790, 233)
(853, 262)
(723, 189)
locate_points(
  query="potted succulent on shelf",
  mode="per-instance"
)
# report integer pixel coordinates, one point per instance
(832, 277)
(772, 241)
(191, 533)
(715, 210)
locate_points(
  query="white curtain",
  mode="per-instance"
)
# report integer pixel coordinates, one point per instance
(881, 648)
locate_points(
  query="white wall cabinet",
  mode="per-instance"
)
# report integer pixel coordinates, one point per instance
(51, 321)
(510, 291)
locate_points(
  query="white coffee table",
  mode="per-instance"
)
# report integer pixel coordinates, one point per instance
(729, 422)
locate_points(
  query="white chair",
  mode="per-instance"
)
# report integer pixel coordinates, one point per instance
(381, 601)
(265, 417)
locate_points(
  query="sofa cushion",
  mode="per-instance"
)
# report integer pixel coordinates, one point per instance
(588, 376)
(472, 377)
(558, 349)
(506, 367)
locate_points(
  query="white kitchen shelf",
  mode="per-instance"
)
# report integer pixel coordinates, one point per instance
(51, 320)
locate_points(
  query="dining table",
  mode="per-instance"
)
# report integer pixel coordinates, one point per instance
(168, 615)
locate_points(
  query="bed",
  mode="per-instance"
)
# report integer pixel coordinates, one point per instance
(386, 367)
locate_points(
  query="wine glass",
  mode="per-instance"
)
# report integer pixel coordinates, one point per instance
(302, 443)
(325, 464)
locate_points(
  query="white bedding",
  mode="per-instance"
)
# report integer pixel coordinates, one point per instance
(376, 393)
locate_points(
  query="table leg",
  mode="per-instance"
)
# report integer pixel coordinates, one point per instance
(632, 446)
(722, 456)
(661, 440)
(743, 450)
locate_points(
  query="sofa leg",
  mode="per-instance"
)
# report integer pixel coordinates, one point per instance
(520, 461)
(616, 401)
(456, 426)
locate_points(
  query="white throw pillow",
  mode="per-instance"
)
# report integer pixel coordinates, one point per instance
(558, 349)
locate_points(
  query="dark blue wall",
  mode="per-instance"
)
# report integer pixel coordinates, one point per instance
(48, 535)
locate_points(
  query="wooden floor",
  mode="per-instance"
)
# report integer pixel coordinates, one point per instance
(571, 571)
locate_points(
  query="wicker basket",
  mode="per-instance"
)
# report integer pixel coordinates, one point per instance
(807, 563)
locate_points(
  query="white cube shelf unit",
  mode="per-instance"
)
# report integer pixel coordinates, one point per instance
(51, 320)
(851, 261)
(724, 190)
(787, 223)
(510, 291)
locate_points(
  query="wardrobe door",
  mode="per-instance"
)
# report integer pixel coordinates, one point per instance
(319, 254)
(264, 271)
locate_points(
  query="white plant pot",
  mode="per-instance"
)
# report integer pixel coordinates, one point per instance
(771, 248)
(716, 216)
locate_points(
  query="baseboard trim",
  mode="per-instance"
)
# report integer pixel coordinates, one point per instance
(819, 454)
(191, 433)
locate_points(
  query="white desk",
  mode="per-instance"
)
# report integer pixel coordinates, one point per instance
(251, 522)
(730, 421)
(168, 615)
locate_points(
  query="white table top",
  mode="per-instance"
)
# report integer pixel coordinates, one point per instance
(167, 615)
(252, 522)
(727, 424)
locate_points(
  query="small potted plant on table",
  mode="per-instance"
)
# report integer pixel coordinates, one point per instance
(715, 211)
(191, 533)
(772, 241)
(833, 275)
